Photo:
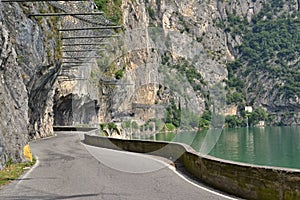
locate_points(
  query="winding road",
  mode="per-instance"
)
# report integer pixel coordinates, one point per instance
(68, 169)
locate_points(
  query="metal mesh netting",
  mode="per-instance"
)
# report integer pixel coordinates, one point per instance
(82, 7)
(77, 102)
(134, 94)
(81, 47)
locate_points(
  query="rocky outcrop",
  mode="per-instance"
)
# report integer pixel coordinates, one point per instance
(76, 100)
(165, 40)
(72, 109)
(173, 53)
(36, 90)
(170, 60)
(13, 100)
(28, 70)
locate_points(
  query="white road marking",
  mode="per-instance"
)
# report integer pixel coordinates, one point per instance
(172, 168)
(28, 172)
(201, 187)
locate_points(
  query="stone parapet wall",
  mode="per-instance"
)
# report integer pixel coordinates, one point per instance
(243, 180)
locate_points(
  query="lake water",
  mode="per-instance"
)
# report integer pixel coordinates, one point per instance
(271, 146)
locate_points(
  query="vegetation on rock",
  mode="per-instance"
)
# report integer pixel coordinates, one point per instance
(270, 48)
(112, 9)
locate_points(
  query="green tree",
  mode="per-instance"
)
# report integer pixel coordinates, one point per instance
(257, 115)
(112, 126)
(205, 119)
(173, 114)
(135, 125)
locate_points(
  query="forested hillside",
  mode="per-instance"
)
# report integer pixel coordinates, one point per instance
(266, 71)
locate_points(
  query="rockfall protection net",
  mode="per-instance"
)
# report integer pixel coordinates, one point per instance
(81, 47)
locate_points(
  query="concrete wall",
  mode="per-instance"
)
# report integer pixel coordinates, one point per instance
(244, 180)
(73, 128)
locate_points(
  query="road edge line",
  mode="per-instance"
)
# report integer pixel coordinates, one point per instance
(28, 172)
(174, 170)
(170, 167)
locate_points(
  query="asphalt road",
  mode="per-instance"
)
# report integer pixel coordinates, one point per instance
(67, 169)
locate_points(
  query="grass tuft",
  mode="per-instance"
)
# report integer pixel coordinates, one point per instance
(12, 171)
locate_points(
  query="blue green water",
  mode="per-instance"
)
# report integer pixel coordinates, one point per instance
(271, 146)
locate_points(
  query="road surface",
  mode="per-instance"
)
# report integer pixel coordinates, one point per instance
(67, 169)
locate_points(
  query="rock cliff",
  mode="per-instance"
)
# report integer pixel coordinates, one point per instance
(169, 65)
(36, 90)
(173, 60)
(29, 67)
(179, 51)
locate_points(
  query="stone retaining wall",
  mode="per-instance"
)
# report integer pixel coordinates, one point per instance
(73, 128)
(243, 180)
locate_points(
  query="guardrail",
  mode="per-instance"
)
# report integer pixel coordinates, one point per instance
(243, 180)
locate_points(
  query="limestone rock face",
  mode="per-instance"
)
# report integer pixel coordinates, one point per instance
(36, 92)
(163, 40)
(76, 100)
(171, 57)
(13, 102)
(27, 74)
